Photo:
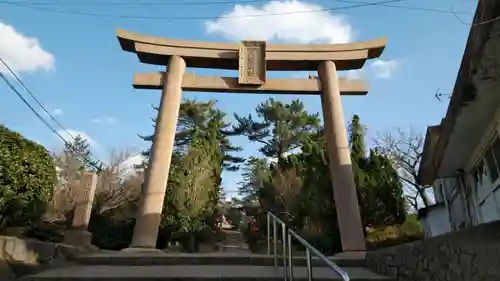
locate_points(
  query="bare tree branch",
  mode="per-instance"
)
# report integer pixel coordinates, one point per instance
(118, 182)
(117, 185)
(69, 173)
(404, 148)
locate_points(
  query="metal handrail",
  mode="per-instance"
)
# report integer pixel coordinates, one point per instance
(287, 235)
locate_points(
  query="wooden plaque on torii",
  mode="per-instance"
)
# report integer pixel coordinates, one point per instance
(252, 61)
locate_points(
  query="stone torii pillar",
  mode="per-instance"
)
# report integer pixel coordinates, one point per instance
(151, 203)
(342, 177)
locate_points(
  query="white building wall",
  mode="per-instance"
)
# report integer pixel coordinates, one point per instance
(437, 221)
(453, 203)
(485, 191)
(438, 192)
(475, 199)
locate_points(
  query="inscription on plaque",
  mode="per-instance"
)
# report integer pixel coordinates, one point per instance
(252, 60)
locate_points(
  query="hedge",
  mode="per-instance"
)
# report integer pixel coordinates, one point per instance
(27, 179)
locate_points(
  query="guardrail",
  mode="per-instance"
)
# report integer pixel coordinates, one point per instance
(287, 236)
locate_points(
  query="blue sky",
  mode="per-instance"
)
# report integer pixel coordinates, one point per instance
(74, 64)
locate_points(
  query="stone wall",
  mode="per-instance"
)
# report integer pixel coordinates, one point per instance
(468, 255)
(19, 257)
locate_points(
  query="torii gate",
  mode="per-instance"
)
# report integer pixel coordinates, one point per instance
(252, 59)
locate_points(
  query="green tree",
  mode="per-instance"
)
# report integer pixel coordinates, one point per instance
(298, 187)
(380, 192)
(197, 120)
(193, 190)
(201, 126)
(386, 205)
(195, 183)
(283, 127)
(316, 215)
(255, 173)
(27, 179)
(80, 152)
(357, 139)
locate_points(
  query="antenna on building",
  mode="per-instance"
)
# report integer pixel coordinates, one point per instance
(439, 94)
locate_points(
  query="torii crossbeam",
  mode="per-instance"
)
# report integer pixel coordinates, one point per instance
(252, 59)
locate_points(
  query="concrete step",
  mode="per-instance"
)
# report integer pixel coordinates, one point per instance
(195, 272)
(226, 258)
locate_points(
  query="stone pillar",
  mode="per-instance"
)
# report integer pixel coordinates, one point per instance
(151, 202)
(84, 197)
(344, 187)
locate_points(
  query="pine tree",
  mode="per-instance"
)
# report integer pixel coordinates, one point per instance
(80, 153)
(196, 120)
(357, 138)
(379, 188)
(283, 127)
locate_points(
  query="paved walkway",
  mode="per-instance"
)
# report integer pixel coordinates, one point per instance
(234, 242)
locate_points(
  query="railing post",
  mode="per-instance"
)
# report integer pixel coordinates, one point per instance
(290, 266)
(309, 266)
(268, 234)
(287, 254)
(283, 241)
(275, 246)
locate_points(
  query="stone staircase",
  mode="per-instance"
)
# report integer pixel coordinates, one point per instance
(233, 262)
(233, 242)
(216, 266)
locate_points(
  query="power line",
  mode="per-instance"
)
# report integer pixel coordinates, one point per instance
(200, 3)
(357, 5)
(423, 9)
(47, 112)
(199, 17)
(30, 107)
(11, 87)
(472, 24)
(139, 3)
(34, 98)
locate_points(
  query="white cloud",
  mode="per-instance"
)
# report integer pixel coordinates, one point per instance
(22, 53)
(303, 74)
(354, 74)
(69, 136)
(52, 112)
(104, 120)
(57, 111)
(291, 25)
(383, 69)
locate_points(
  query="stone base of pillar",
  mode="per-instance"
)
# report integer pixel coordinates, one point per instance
(78, 238)
(142, 250)
(352, 255)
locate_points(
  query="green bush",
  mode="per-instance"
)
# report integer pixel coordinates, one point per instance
(27, 179)
(47, 232)
(327, 242)
(109, 233)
